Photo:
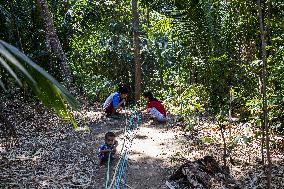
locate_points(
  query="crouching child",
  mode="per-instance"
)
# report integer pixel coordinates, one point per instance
(108, 149)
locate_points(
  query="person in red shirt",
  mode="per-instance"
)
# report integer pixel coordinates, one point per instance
(155, 107)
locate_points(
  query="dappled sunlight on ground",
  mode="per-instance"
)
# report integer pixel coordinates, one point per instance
(52, 154)
(153, 143)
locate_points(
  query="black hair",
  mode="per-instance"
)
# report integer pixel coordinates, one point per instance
(109, 134)
(123, 90)
(150, 96)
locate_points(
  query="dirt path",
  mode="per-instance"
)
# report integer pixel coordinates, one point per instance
(149, 158)
(52, 155)
(149, 163)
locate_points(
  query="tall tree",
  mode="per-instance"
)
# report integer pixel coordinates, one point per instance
(52, 40)
(136, 44)
(264, 98)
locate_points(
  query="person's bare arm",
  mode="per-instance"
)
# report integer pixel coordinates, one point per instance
(145, 110)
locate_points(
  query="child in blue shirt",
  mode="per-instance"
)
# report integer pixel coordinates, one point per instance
(108, 149)
(115, 101)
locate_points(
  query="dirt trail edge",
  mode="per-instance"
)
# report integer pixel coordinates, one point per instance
(51, 154)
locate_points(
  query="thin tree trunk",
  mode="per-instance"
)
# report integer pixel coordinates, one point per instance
(222, 129)
(53, 42)
(148, 16)
(230, 110)
(16, 33)
(264, 73)
(262, 123)
(137, 59)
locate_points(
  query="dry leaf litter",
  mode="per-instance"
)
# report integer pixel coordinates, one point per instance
(48, 153)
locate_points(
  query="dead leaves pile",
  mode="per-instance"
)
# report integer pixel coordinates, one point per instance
(243, 152)
(49, 153)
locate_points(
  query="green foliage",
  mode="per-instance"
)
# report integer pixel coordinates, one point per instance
(193, 52)
(99, 41)
(186, 100)
(97, 88)
(208, 140)
(47, 89)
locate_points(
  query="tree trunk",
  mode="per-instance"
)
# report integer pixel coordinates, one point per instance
(222, 129)
(137, 59)
(264, 98)
(15, 32)
(53, 42)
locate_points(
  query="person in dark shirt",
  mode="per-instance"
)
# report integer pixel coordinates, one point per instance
(154, 107)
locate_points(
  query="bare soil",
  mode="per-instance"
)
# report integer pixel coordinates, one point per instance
(49, 153)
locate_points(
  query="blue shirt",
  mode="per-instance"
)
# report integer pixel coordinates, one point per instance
(115, 100)
(104, 147)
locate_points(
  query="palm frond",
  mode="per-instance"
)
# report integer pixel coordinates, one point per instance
(48, 90)
(10, 70)
(2, 85)
(12, 59)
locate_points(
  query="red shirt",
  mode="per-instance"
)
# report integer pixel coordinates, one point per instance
(158, 105)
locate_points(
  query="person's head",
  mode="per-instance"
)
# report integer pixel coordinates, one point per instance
(149, 96)
(123, 91)
(109, 138)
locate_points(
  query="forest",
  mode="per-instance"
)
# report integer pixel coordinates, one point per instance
(216, 66)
